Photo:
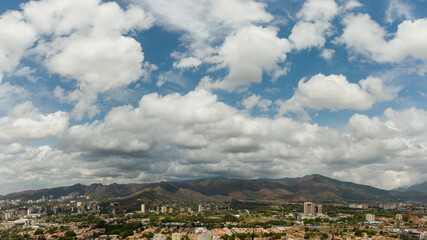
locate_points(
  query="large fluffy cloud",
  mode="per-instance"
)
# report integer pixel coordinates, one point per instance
(17, 36)
(79, 40)
(335, 92)
(83, 48)
(361, 126)
(365, 36)
(314, 23)
(224, 34)
(25, 123)
(195, 135)
(411, 121)
(248, 53)
(182, 133)
(38, 162)
(205, 22)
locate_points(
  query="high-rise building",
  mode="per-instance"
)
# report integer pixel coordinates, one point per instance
(370, 217)
(164, 209)
(319, 210)
(142, 208)
(398, 217)
(307, 208)
(8, 215)
(312, 209)
(49, 209)
(200, 208)
(170, 210)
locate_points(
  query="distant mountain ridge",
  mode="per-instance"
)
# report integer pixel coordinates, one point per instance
(421, 187)
(95, 190)
(312, 187)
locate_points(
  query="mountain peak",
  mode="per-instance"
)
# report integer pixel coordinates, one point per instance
(314, 177)
(420, 187)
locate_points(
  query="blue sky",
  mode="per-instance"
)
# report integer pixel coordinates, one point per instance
(143, 91)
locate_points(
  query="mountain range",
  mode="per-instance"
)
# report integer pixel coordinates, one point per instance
(312, 187)
(421, 187)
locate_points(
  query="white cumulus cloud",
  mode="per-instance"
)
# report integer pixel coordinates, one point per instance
(412, 121)
(79, 40)
(194, 135)
(205, 22)
(26, 123)
(335, 92)
(365, 36)
(314, 23)
(17, 36)
(248, 53)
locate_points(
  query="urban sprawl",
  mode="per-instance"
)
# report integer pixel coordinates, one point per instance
(80, 217)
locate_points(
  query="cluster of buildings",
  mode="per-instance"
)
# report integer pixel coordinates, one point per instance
(202, 233)
(415, 234)
(17, 213)
(385, 206)
(311, 211)
(288, 233)
(165, 209)
(370, 219)
(417, 220)
(40, 210)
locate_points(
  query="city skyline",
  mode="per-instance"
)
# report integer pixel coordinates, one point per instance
(134, 91)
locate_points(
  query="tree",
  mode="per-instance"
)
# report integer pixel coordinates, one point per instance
(324, 236)
(52, 230)
(185, 237)
(70, 233)
(100, 223)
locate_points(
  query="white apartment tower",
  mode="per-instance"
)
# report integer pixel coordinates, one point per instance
(164, 209)
(370, 217)
(142, 208)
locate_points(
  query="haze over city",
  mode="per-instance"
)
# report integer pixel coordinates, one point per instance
(136, 91)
